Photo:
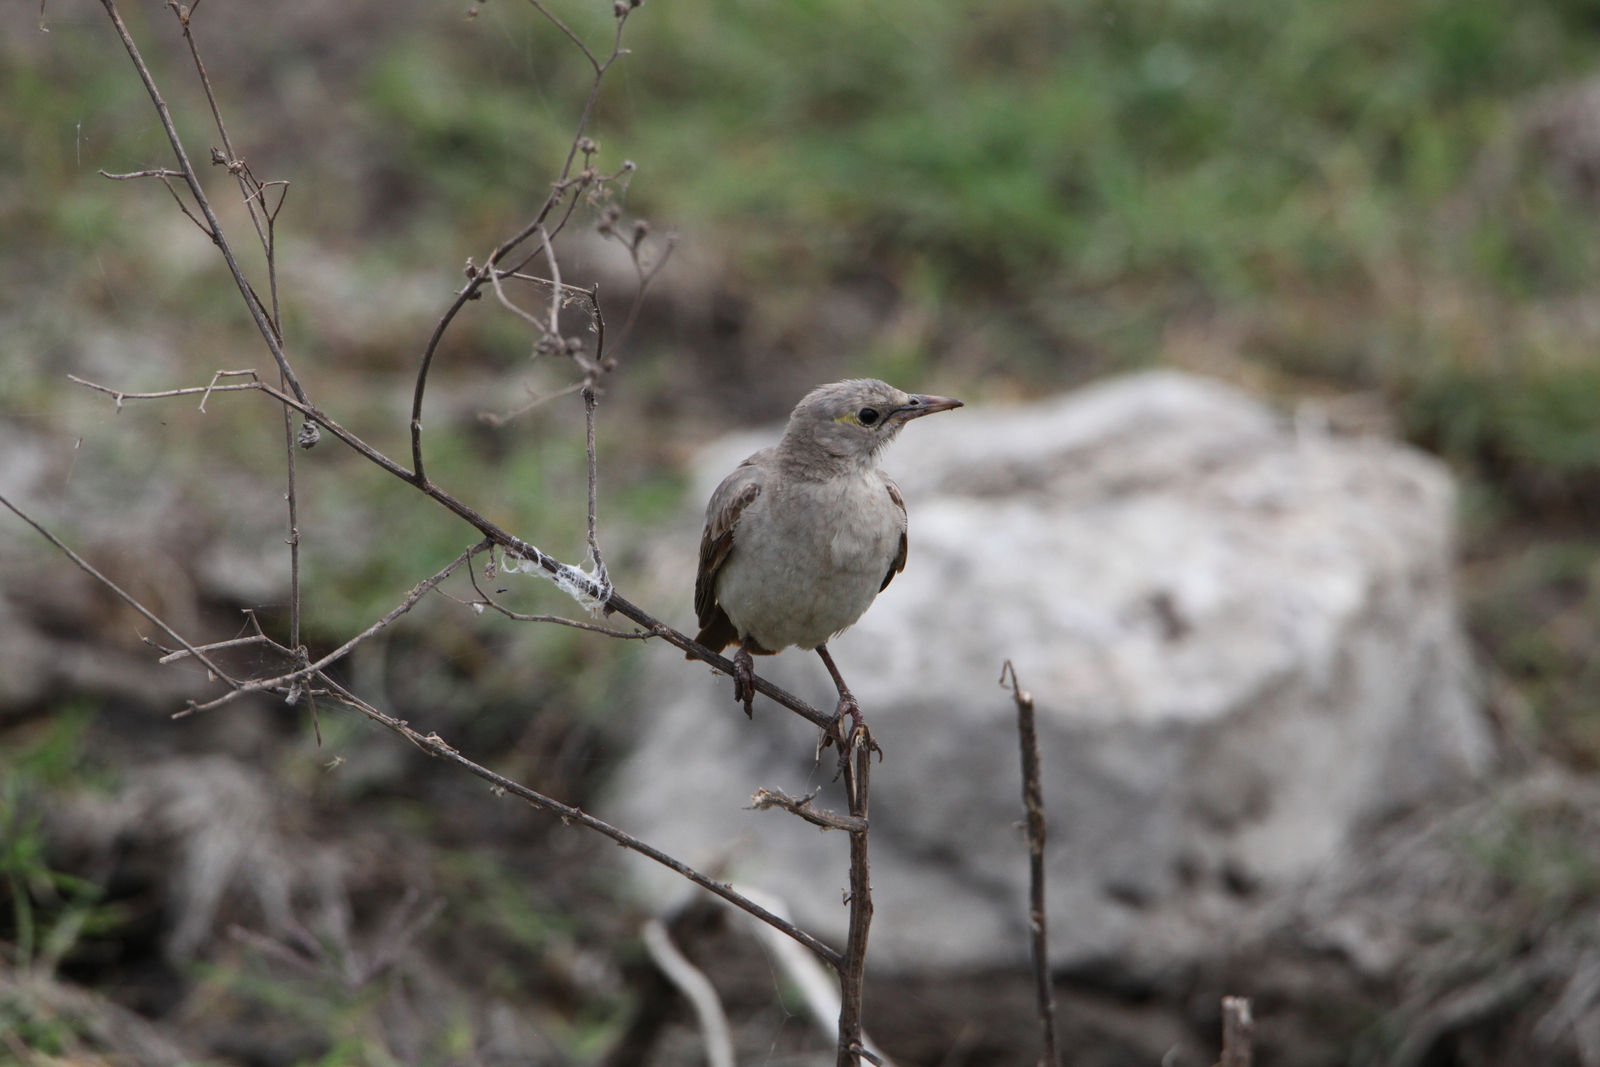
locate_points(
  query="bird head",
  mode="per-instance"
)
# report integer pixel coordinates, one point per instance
(855, 419)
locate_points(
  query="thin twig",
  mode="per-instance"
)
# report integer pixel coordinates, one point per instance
(645, 277)
(173, 657)
(117, 589)
(494, 419)
(554, 328)
(252, 302)
(588, 418)
(434, 745)
(816, 986)
(294, 529)
(215, 378)
(1033, 801)
(475, 283)
(284, 680)
(574, 38)
(159, 173)
(801, 806)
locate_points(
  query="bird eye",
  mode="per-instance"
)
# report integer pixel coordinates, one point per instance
(867, 416)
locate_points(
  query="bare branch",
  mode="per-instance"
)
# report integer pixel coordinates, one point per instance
(1033, 801)
(765, 799)
(434, 745)
(574, 38)
(589, 402)
(555, 273)
(117, 589)
(472, 289)
(143, 174)
(493, 419)
(253, 639)
(283, 680)
(257, 312)
(216, 378)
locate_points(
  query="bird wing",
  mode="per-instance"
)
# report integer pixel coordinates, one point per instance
(737, 492)
(899, 563)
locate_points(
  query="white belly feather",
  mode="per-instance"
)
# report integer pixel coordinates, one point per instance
(807, 563)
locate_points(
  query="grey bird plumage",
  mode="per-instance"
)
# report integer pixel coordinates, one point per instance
(801, 537)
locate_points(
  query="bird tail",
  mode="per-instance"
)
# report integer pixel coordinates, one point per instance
(718, 633)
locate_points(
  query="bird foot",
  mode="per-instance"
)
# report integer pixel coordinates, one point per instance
(744, 681)
(858, 732)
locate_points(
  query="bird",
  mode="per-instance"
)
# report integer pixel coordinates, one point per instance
(802, 537)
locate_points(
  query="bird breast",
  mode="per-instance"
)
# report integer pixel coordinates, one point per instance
(809, 559)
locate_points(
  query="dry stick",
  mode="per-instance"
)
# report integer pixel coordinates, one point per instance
(265, 222)
(257, 312)
(234, 164)
(253, 639)
(434, 745)
(470, 291)
(594, 541)
(283, 680)
(1238, 1033)
(1033, 801)
(610, 600)
(801, 806)
(858, 770)
(117, 589)
(294, 528)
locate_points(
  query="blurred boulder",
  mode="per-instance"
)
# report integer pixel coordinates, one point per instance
(1243, 642)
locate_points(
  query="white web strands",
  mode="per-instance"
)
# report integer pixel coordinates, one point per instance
(591, 588)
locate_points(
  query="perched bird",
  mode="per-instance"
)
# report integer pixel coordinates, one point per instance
(802, 537)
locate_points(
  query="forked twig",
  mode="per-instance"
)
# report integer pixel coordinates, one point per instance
(286, 681)
(214, 228)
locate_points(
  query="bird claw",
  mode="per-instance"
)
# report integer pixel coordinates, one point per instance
(858, 732)
(744, 681)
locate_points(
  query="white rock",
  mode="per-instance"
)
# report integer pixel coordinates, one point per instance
(1243, 644)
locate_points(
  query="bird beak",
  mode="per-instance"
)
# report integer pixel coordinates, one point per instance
(921, 405)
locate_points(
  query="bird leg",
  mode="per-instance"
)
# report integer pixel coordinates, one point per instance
(847, 706)
(744, 678)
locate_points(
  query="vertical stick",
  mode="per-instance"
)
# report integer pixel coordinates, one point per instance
(1033, 801)
(588, 418)
(294, 533)
(858, 770)
(1238, 1033)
